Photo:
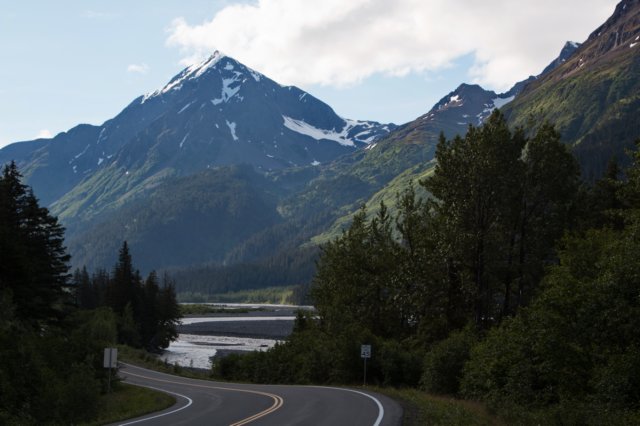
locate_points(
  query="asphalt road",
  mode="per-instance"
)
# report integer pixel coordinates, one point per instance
(201, 402)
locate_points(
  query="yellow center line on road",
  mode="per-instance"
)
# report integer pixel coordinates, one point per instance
(277, 400)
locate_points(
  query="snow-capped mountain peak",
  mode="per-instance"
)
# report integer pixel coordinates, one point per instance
(191, 72)
(213, 113)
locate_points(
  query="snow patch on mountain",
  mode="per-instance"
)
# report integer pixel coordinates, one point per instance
(101, 136)
(184, 139)
(227, 91)
(185, 107)
(80, 154)
(454, 101)
(232, 129)
(300, 126)
(500, 102)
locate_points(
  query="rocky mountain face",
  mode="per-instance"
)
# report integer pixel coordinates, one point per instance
(567, 51)
(593, 98)
(218, 112)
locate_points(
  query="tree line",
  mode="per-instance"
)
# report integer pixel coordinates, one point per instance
(513, 283)
(54, 326)
(147, 311)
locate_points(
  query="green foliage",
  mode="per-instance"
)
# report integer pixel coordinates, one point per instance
(274, 295)
(421, 409)
(183, 221)
(127, 402)
(577, 343)
(34, 267)
(410, 283)
(355, 278)
(443, 364)
(49, 368)
(289, 266)
(502, 200)
(313, 356)
(147, 313)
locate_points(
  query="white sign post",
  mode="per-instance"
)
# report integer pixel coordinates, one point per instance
(365, 353)
(110, 361)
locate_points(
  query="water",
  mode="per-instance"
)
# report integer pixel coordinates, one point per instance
(197, 320)
(196, 350)
(191, 350)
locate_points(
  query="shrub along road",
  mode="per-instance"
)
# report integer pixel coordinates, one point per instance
(202, 402)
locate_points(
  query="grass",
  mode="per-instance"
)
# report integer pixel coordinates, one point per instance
(421, 408)
(388, 194)
(276, 295)
(128, 401)
(201, 309)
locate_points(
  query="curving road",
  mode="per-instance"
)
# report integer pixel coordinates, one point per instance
(201, 402)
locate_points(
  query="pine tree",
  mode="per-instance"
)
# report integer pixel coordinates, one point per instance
(124, 285)
(149, 312)
(34, 267)
(168, 314)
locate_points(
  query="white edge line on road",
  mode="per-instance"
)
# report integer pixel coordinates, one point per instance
(378, 403)
(160, 415)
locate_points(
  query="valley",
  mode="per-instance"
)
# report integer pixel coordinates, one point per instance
(282, 263)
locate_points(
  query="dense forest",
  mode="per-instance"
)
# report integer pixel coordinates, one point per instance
(514, 284)
(53, 328)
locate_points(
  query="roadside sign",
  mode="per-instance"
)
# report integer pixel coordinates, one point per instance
(110, 358)
(365, 351)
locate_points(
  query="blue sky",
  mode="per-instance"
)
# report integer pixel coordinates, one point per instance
(71, 62)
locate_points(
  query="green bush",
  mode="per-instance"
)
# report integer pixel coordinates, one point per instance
(443, 364)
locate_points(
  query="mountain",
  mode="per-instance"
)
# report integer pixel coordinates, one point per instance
(593, 98)
(232, 180)
(468, 104)
(567, 51)
(312, 203)
(387, 166)
(184, 221)
(218, 112)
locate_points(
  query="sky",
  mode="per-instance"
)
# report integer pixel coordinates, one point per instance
(82, 61)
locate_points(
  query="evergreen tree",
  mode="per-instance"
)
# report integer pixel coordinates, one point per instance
(168, 314)
(149, 312)
(87, 295)
(45, 360)
(34, 267)
(123, 287)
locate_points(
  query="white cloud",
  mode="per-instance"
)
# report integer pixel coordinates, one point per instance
(44, 134)
(337, 42)
(138, 68)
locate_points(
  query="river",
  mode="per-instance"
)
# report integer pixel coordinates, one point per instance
(202, 337)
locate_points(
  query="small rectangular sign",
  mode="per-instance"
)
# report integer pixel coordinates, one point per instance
(110, 358)
(365, 351)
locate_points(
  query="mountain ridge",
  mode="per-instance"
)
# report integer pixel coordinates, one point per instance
(593, 98)
(196, 121)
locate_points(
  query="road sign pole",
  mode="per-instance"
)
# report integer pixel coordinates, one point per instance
(109, 361)
(365, 372)
(365, 352)
(109, 376)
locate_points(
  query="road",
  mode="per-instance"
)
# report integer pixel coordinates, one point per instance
(201, 402)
